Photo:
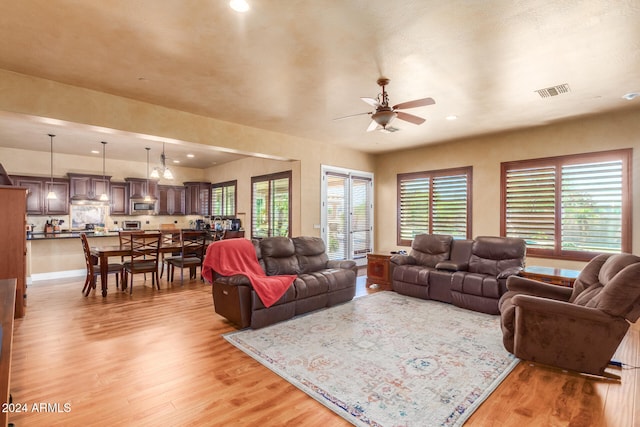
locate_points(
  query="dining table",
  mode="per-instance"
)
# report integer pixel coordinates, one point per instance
(105, 252)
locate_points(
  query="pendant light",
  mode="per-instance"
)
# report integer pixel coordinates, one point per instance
(103, 196)
(147, 196)
(164, 171)
(51, 195)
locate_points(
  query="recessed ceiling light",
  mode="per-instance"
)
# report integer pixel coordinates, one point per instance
(631, 95)
(239, 5)
(452, 117)
(176, 161)
(191, 156)
(95, 152)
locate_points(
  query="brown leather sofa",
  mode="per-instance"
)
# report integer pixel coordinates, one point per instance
(320, 282)
(576, 328)
(470, 274)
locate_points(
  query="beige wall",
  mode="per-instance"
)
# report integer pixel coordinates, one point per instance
(607, 132)
(38, 97)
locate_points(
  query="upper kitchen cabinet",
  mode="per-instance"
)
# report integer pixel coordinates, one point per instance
(87, 187)
(198, 198)
(37, 190)
(119, 198)
(139, 188)
(35, 198)
(171, 200)
(59, 205)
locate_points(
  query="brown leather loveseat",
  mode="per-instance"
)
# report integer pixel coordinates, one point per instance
(470, 274)
(320, 282)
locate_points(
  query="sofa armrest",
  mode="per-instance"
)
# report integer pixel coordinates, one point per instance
(235, 280)
(511, 271)
(402, 260)
(560, 310)
(452, 266)
(533, 287)
(346, 264)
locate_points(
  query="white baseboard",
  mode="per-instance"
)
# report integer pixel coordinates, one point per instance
(56, 275)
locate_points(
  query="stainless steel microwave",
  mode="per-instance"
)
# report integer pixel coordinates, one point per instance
(142, 207)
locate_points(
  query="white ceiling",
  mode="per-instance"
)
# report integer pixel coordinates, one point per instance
(292, 66)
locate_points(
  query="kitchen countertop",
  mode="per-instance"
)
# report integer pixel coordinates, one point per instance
(71, 234)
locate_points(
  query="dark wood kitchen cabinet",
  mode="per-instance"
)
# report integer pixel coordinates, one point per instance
(119, 198)
(37, 190)
(35, 198)
(59, 205)
(171, 200)
(87, 187)
(140, 187)
(198, 198)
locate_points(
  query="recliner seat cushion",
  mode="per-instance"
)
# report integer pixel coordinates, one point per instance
(416, 274)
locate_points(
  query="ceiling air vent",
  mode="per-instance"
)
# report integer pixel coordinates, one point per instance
(553, 90)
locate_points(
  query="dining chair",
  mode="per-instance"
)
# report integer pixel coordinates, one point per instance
(191, 255)
(169, 239)
(232, 234)
(145, 253)
(93, 268)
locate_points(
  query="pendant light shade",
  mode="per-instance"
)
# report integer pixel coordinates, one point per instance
(147, 196)
(51, 195)
(103, 196)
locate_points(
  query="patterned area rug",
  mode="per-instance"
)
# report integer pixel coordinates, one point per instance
(387, 360)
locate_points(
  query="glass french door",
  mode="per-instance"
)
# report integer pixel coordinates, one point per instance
(347, 213)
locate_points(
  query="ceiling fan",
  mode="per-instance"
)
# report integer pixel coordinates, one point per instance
(384, 114)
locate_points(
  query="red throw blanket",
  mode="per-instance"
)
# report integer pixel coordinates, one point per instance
(238, 256)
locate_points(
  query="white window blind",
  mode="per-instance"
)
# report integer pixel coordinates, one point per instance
(434, 202)
(571, 206)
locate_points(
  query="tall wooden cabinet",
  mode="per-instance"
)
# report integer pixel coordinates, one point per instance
(13, 250)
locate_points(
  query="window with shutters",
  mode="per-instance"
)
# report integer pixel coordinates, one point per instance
(271, 205)
(570, 207)
(223, 199)
(434, 202)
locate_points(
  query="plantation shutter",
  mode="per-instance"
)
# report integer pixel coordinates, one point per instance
(260, 210)
(450, 205)
(271, 205)
(216, 201)
(229, 200)
(414, 207)
(592, 207)
(530, 205)
(280, 205)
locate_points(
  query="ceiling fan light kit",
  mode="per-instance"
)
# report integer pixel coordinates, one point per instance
(384, 114)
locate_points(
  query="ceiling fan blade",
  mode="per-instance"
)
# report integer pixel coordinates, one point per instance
(410, 118)
(372, 126)
(351, 115)
(371, 101)
(415, 103)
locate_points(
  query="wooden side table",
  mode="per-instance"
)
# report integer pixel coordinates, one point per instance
(555, 276)
(378, 271)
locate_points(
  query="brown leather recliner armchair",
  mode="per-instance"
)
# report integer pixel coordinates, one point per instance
(576, 329)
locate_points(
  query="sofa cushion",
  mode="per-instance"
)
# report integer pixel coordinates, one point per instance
(311, 253)
(415, 274)
(476, 284)
(430, 249)
(494, 255)
(279, 256)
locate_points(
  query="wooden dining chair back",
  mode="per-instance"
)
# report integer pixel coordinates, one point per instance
(232, 234)
(170, 239)
(191, 256)
(145, 253)
(125, 240)
(93, 268)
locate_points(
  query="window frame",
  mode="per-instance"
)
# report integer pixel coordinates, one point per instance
(464, 170)
(269, 178)
(557, 162)
(224, 186)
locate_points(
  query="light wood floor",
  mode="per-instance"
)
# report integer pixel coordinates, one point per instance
(158, 359)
